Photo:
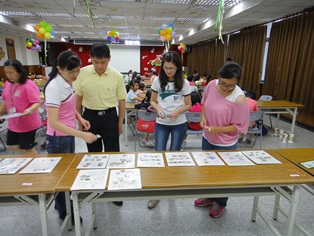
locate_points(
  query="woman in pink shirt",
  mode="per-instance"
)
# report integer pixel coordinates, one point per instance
(225, 114)
(20, 95)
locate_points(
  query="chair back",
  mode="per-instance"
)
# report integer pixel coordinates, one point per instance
(194, 116)
(256, 116)
(145, 116)
(266, 98)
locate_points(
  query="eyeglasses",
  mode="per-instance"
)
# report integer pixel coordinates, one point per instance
(227, 86)
(169, 68)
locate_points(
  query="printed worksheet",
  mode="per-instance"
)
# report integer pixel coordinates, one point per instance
(307, 164)
(12, 165)
(235, 159)
(93, 161)
(90, 179)
(125, 179)
(207, 159)
(179, 159)
(119, 161)
(9, 116)
(261, 157)
(150, 160)
(41, 165)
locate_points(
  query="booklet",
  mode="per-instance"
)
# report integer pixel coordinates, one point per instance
(235, 159)
(17, 114)
(125, 179)
(307, 164)
(90, 179)
(207, 159)
(179, 159)
(150, 160)
(261, 157)
(41, 165)
(12, 165)
(118, 161)
(93, 161)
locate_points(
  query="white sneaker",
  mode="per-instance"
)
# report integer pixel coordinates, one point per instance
(146, 143)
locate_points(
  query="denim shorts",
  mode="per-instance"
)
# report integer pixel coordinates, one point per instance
(60, 144)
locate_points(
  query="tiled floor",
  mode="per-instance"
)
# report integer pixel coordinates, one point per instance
(170, 217)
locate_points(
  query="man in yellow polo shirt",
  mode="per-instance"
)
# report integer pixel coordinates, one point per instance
(100, 89)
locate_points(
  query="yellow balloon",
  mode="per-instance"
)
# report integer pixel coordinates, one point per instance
(182, 45)
(29, 44)
(169, 30)
(47, 35)
(42, 30)
(168, 37)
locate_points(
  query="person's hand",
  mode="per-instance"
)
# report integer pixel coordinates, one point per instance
(203, 123)
(28, 111)
(85, 125)
(174, 115)
(120, 129)
(89, 137)
(161, 114)
(212, 129)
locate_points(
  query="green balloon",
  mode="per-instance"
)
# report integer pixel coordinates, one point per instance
(42, 23)
(48, 28)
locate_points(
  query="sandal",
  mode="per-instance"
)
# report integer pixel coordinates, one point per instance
(240, 140)
(248, 141)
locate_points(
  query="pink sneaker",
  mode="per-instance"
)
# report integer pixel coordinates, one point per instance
(200, 202)
(216, 210)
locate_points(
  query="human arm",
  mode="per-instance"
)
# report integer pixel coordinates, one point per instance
(121, 114)
(53, 119)
(180, 110)
(31, 109)
(84, 123)
(79, 100)
(153, 103)
(3, 108)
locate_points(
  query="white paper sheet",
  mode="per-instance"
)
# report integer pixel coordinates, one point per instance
(9, 116)
(150, 160)
(93, 161)
(235, 159)
(207, 159)
(41, 165)
(119, 161)
(12, 165)
(261, 157)
(179, 159)
(91, 179)
(125, 179)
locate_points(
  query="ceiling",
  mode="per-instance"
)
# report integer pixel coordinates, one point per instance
(193, 20)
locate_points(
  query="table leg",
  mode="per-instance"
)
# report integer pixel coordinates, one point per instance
(294, 117)
(293, 209)
(43, 213)
(76, 212)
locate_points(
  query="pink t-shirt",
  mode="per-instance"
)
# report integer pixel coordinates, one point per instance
(252, 104)
(21, 97)
(219, 111)
(195, 125)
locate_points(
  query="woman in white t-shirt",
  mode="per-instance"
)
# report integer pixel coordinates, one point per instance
(61, 110)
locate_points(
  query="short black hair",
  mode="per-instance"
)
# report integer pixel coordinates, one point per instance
(100, 50)
(230, 70)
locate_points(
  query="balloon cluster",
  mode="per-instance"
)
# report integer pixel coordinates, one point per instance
(182, 48)
(113, 36)
(44, 30)
(32, 44)
(166, 32)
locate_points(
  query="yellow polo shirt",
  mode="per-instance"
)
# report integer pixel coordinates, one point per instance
(100, 92)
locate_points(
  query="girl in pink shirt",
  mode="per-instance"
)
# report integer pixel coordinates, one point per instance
(225, 114)
(20, 95)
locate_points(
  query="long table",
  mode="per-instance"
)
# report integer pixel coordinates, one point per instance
(281, 107)
(34, 189)
(200, 181)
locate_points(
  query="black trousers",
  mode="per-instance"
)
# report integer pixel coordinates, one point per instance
(104, 123)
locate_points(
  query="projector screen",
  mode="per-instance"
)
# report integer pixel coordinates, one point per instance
(125, 58)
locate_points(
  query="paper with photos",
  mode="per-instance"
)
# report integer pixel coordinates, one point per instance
(261, 157)
(207, 159)
(119, 161)
(12, 165)
(235, 159)
(150, 160)
(125, 179)
(307, 164)
(179, 159)
(93, 161)
(41, 165)
(91, 179)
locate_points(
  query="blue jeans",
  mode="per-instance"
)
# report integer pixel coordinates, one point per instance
(208, 146)
(162, 133)
(60, 144)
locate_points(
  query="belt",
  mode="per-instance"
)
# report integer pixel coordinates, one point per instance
(101, 112)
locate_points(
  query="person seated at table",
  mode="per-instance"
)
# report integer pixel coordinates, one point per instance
(208, 79)
(128, 77)
(153, 76)
(32, 75)
(141, 92)
(132, 94)
(190, 79)
(196, 76)
(253, 106)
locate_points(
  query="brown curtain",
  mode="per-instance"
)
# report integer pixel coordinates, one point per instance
(289, 70)
(247, 49)
(207, 57)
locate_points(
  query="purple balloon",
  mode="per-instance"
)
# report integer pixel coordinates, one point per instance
(109, 38)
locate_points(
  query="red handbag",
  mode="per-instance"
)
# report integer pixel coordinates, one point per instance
(146, 126)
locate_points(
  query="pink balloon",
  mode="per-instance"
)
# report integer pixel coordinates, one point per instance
(162, 38)
(180, 48)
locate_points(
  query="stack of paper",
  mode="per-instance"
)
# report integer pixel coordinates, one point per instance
(90, 179)
(125, 179)
(93, 161)
(179, 159)
(12, 165)
(261, 157)
(235, 159)
(150, 160)
(207, 159)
